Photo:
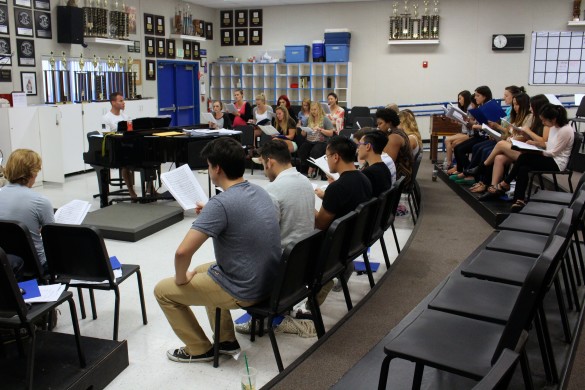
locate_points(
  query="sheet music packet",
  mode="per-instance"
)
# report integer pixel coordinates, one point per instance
(325, 107)
(230, 107)
(208, 117)
(553, 99)
(321, 163)
(184, 187)
(493, 133)
(268, 130)
(517, 130)
(523, 146)
(307, 130)
(456, 114)
(72, 213)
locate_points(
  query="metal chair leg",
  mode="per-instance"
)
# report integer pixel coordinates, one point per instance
(274, 344)
(141, 294)
(116, 312)
(92, 301)
(75, 323)
(369, 269)
(216, 337)
(81, 303)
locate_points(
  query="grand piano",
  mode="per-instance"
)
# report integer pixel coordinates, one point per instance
(141, 150)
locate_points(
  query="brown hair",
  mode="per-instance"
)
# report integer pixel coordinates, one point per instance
(22, 165)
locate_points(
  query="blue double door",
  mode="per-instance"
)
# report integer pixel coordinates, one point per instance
(178, 91)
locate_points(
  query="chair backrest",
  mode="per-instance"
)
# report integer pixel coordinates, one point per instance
(16, 240)
(383, 207)
(362, 228)
(335, 247)
(390, 214)
(498, 378)
(581, 109)
(11, 300)
(578, 207)
(359, 111)
(362, 121)
(247, 134)
(530, 295)
(575, 150)
(580, 183)
(76, 252)
(295, 273)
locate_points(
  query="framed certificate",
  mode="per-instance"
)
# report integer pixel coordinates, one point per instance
(42, 4)
(241, 18)
(196, 51)
(227, 18)
(28, 81)
(23, 20)
(255, 37)
(5, 75)
(171, 52)
(148, 24)
(43, 25)
(150, 70)
(186, 50)
(209, 31)
(255, 18)
(159, 22)
(5, 51)
(227, 37)
(241, 37)
(23, 3)
(161, 48)
(149, 44)
(25, 49)
(4, 19)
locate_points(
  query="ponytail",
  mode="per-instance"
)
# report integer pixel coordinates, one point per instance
(558, 113)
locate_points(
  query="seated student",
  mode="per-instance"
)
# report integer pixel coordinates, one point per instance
(410, 128)
(357, 137)
(286, 127)
(261, 115)
(223, 120)
(344, 194)
(503, 155)
(464, 104)
(247, 256)
(303, 116)
(19, 202)
(244, 113)
(337, 113)
(283, 101)
(369, 149)
(398, 146)
(554, 158)
(316, 142)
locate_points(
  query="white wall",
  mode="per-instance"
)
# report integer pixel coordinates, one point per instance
(463, 60)
(381, 73)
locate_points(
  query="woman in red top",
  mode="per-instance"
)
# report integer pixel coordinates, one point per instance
(244, 113)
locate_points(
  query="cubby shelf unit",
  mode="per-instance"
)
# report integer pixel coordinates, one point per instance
(317, 79)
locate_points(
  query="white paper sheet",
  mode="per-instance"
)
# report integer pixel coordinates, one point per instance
(321, 163)
(184, 187)
(72, 213)
(49, 293)
(269, 130)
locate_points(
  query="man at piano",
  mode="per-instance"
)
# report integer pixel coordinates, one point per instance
(110, 120)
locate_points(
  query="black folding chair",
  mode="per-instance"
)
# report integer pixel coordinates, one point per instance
(16, 240)
(499, 377)
(291, 286)
(389, 216)
(79, 252)
(15, 314)
(361, 233)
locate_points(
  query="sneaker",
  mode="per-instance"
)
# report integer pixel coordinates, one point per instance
(179, 355)
(229, 347)
(257, 160)
(337, 287)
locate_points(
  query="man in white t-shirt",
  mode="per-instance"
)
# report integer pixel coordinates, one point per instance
(111, 119)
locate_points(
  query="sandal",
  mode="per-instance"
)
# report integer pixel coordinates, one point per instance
(452, 170)
(517, 206)
(478, 187)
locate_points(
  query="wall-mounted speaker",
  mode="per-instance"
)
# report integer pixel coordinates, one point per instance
(69, 25)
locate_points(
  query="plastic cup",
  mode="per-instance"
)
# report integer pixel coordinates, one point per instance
(249, 378)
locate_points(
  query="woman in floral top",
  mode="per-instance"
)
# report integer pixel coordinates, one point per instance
(337, 114)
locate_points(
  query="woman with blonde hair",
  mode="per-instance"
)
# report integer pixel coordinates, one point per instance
(19, 202)
(316, 141)
(286, 127)
(304, 112)
(409, 126)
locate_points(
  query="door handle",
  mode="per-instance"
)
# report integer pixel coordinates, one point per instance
(173, 108)
(185, 107)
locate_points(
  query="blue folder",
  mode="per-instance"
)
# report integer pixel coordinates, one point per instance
(360, 266)
(31, 289)
(115, 262)
(490, 111)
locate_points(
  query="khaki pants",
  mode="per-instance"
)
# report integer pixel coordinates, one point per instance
(200, 291)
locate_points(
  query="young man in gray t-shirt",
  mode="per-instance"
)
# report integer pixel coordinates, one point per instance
(242, 221)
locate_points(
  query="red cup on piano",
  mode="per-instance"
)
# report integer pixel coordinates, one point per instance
(129, 126)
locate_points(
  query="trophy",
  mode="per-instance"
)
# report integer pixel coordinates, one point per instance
(435, 21)
(394, 22)
(426, 22)
(405, 22)
(50, 81)
(415, 24)
(82, 86)
(64, 85)
(130, 78)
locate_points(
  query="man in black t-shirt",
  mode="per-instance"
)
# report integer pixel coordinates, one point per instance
(370, 148)
(347, 192)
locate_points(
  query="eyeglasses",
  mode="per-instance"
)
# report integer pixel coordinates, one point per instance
(329, 155)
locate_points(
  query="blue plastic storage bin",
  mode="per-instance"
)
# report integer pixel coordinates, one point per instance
(337, 53)
(337, 38)
(318, 52)
(297, 53)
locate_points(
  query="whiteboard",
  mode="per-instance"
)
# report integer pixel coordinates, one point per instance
(557, 58)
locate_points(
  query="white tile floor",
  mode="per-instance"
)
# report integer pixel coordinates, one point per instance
(149, 367)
